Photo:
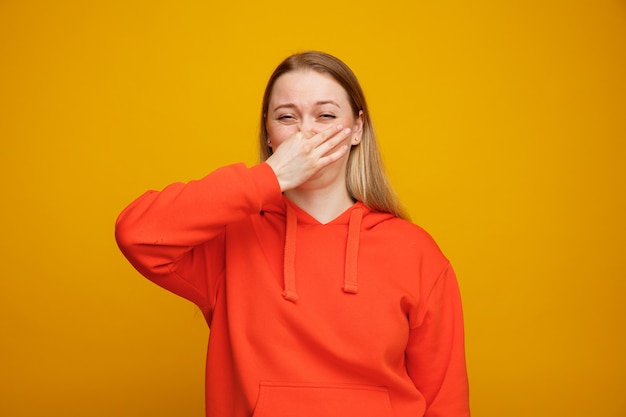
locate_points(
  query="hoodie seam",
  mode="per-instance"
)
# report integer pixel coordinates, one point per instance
(422, 311)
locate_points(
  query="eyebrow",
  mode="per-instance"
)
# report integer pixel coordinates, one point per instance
(317, 103)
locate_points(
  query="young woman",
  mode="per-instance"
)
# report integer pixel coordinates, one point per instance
(322, 299)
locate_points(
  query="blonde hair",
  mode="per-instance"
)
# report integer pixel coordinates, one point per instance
(365, 175)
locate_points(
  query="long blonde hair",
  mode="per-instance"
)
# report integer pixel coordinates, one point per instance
(365, 174)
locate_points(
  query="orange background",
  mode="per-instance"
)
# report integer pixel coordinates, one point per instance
(503, 125)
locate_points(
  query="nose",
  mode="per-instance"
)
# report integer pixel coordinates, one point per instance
(307, 128)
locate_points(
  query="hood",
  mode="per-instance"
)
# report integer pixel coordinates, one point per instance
(358, 218)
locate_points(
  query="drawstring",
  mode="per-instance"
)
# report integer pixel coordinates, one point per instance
(352, 251)
(289, 268)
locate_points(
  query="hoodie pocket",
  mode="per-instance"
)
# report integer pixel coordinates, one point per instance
(312, 400)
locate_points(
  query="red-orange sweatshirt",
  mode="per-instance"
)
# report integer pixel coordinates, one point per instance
(357, 317)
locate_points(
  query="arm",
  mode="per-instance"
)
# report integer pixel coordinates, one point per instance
(175, 237)
(435, 352)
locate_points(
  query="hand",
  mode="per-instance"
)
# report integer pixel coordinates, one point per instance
(297, 159)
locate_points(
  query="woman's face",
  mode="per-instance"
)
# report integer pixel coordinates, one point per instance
(309, 102)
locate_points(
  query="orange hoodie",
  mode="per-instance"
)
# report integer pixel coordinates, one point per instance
(357, 317)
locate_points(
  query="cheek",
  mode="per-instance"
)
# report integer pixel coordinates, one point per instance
(349, 121)
(279, 133)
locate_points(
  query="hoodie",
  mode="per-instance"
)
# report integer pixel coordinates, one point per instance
(360, 316)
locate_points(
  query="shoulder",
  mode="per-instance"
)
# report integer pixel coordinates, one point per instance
(405, 229)
(397, 237)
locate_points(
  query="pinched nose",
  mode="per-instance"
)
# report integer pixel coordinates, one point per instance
(307, 129)
(308, 134)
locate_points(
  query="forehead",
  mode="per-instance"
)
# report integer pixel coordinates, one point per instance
(304, 87)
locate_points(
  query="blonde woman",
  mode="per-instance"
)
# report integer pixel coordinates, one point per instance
(322, 298)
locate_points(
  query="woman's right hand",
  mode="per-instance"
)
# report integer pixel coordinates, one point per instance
(298, 158)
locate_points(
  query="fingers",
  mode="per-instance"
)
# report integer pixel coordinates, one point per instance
(333, 156)
(333, 131)
(332, 144)
(329, 138)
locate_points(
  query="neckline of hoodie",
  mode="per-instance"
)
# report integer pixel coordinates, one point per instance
(305, 218)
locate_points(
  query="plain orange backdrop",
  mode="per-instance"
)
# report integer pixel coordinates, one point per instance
(502, 124)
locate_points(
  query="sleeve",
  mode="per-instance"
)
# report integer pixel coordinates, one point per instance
(436, 353)
(175, 237)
